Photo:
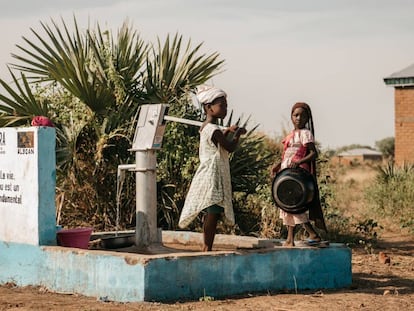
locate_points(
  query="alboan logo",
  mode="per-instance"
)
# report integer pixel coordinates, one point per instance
(2, 142)
(25, 142)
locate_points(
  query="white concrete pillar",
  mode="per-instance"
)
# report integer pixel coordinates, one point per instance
(27, 185)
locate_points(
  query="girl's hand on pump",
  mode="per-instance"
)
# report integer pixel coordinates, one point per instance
(236, 130)
(229, 144)
(240, 131)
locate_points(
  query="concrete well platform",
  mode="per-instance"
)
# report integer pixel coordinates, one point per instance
(177, 269)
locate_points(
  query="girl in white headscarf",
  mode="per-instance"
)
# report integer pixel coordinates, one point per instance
(210, 189)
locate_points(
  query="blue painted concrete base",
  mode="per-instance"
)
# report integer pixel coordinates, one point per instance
(131, 277)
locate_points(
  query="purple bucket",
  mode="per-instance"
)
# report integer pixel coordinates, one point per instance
(77, 237)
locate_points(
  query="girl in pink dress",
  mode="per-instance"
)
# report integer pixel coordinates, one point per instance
(299, 151)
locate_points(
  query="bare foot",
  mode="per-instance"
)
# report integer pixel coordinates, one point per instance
(205, 249)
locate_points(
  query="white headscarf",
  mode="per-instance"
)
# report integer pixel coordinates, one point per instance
(206, 94)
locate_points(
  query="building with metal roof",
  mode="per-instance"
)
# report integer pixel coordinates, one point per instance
(403, 83)
(401, 78)
(358, 155)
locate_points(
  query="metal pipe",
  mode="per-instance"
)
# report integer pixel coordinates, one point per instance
(146, 232)
(182, 120)
(187, 121)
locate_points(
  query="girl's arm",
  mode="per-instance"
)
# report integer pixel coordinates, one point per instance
(219, 137)
(311, 155)
(274, 169)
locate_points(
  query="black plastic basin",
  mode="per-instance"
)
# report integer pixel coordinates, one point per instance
(293, 189)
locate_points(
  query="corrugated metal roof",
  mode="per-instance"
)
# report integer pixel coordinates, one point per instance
(359, 152)
(405, 73)
(403, 77)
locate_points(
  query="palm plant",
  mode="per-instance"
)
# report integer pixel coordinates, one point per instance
(91, 67)
(100, 72)
(110, 76)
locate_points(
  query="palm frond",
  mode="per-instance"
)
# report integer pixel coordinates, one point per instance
(20, 106)
(171, 74)
(67, 60)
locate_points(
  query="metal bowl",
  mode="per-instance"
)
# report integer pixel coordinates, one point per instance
(293, 189)
(114, 242)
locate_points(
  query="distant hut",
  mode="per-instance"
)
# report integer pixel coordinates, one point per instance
(403, 83)
(358, 155)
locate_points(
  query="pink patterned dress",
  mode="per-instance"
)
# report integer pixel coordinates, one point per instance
(295, 149)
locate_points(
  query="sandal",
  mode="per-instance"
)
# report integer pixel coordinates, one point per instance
(310, 242)
(316, 243)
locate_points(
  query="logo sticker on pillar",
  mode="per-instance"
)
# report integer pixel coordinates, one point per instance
(25, 142)
(2, 142)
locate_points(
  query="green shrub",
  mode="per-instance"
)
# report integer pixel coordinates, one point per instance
(392, 194)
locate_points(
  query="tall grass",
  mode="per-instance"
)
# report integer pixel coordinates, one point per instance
(392, 194)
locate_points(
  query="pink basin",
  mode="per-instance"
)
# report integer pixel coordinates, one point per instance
(76, 237)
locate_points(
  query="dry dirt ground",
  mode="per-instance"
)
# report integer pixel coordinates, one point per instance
(376, 286)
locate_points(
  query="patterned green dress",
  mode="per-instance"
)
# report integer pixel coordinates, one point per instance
(211, 183)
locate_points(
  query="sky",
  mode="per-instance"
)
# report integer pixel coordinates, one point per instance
(332, 54)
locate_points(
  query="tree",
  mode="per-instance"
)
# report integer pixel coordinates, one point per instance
(386, 146)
